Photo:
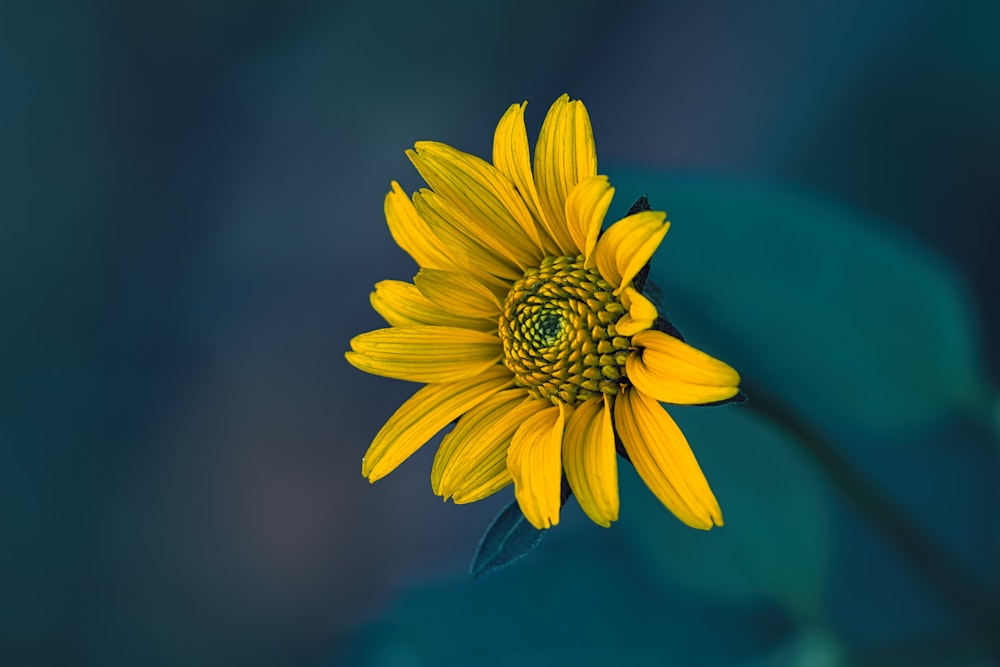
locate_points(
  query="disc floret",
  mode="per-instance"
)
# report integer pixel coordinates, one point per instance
(558, 332)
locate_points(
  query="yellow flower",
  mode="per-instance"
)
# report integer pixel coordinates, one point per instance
(528, 326)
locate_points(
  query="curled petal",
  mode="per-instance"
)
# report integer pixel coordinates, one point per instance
(641, 313)
(590, 460)
(628, 244)
(672, 371)
(586, 207)
(536, 465)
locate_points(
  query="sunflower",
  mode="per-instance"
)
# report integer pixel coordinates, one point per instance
(528, 326)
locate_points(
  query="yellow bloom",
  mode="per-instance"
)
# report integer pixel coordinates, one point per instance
(528, 326)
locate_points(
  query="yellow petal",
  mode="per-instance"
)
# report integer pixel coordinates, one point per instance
(590, 460)
(664, 460)
(458, 293)
(585, 209)
(402, 305)
(488, 480)
(628, 244)
(471, 462)
(424, 414)
(672, 371)
(486, 197)
(564, 156)
(470, 248)
(425, 354)
(412, 233)
(536, 466)
(641, 313)
(511, 158)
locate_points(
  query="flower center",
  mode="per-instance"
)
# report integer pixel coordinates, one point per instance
(558, 332)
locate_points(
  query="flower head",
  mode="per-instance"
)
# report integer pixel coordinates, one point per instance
(529, 327)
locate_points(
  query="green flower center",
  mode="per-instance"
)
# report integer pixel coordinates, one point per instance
(558, 332)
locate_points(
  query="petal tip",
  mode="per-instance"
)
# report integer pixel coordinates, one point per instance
(367, 470)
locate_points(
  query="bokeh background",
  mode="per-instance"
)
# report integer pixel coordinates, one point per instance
(191, 222)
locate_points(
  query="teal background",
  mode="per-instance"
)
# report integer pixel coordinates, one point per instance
(191, 222)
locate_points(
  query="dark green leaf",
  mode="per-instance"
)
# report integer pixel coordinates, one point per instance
(856, 326)
(509, 538)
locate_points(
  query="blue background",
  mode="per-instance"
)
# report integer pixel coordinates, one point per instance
(191, 222)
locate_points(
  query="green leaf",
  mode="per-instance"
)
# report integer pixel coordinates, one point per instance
(856, 326)
(509, 538)
(775, 541)
(579, 601)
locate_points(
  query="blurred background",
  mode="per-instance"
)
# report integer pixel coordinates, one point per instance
(190, 225)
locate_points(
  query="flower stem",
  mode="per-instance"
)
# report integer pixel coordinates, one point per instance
(937, 567)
